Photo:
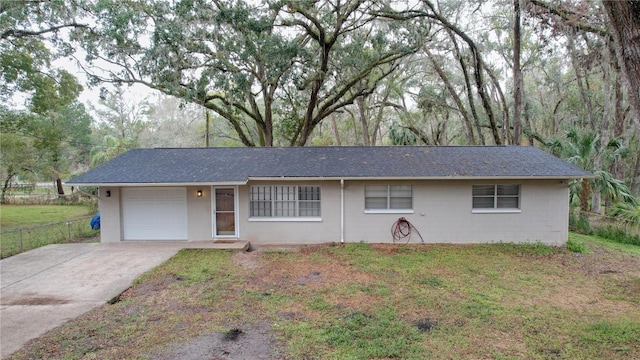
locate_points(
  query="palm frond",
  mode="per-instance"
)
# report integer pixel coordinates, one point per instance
(610, 186)
(627, 212)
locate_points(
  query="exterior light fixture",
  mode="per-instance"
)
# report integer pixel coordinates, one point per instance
(107, 193)
(199, 193)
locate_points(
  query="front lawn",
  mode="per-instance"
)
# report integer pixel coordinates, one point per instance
(361, 301)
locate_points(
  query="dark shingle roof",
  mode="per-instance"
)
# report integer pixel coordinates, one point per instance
(236, 165)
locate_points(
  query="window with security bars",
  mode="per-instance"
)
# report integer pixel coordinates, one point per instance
(496, 196)
(261, 201)
(388, 197)
(285, 201)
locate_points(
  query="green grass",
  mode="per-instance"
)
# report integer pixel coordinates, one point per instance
(21, 216)
(617, 233)
(41, 225)
(360, 301)
(358, 335)
(576, 246)
(584, 239)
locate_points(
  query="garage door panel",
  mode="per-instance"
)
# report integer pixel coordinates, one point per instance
(154, 213)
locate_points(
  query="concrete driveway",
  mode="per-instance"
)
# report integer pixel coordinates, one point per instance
(43, 288)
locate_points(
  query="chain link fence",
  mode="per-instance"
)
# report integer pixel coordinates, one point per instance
(15, 241)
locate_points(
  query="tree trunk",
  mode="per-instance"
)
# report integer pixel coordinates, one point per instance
(619, 171)
(517, 75)
(380, 116)
(596, 202)
(463, 111)
(584, 195)
(59, 186)
(207, 129)
(467, 81)
(624, 22)
(7, 181)
(366, 140)
(532, 134)
(334, 129)
(505, 108)
(586, 99)
(635, 178)
(635, 175)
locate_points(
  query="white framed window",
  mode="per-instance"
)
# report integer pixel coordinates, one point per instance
(496, 197)
(284, 201)
(388, 198)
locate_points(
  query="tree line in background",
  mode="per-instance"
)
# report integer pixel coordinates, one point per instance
(561, 75)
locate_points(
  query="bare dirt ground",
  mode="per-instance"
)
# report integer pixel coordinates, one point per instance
(257, 340)
(599, 279)
(251, 341)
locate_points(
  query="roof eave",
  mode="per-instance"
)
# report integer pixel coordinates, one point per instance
(386, 178)
(122, 184)
(329, 178)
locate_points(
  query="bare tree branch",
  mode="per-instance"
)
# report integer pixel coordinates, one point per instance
(18, 33)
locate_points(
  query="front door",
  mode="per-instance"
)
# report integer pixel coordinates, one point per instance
(225, 212)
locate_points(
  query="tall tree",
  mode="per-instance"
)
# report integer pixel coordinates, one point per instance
(433, 15)
(170, 122)
(61, 128)
(624, 23)
(18, 157)
(586, 150)
(601, 59)
(120, 115)
(31, 37)
(517, 74)
(254, 65)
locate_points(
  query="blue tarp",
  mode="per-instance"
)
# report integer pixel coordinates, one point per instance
(95, 221)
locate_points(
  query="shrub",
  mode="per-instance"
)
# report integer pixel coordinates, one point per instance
(576, 246)
(617, 235)
(580, 224)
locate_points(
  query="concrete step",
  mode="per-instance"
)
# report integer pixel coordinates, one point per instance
(239, 245)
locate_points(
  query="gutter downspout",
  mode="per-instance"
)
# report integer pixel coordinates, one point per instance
(341, 210)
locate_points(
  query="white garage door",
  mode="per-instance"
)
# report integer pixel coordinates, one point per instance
(154, 213)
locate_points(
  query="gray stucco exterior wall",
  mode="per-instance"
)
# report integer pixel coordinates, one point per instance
(442, 212)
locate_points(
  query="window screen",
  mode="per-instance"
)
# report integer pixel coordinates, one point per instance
(388, 197)
(496, 196)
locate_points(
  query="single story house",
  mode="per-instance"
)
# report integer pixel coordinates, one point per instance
(306, 195)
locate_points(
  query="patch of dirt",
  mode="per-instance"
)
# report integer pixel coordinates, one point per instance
(148, 287)
(181, 308)
(292, 275)
(313, 277)
(250, 341)
(585, 299)
(36, 300)
(247, 260)
(425, 325)
(603, 262)
(608, 275)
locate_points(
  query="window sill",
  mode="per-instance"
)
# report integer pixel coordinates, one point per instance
(285, 219)
(496, 211)
(389, 211)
